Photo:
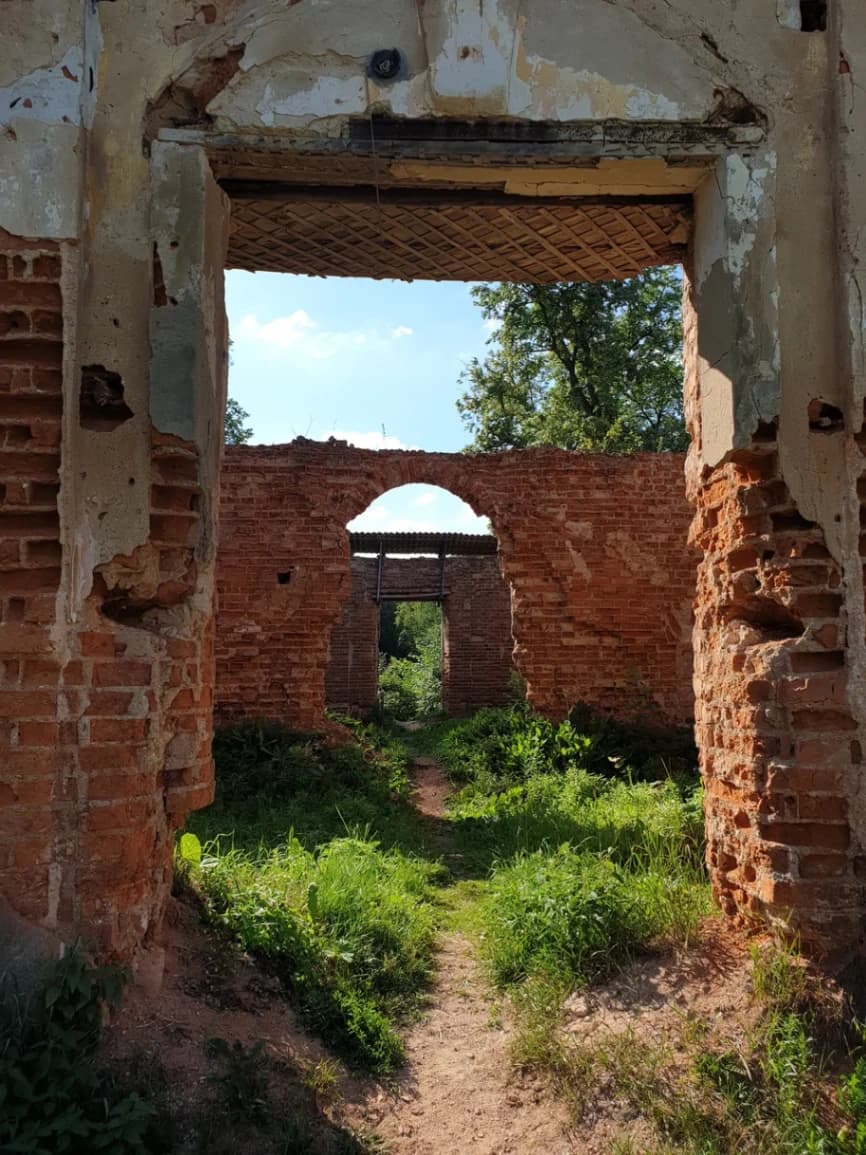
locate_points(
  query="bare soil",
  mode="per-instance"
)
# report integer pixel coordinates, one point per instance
(458, 1091)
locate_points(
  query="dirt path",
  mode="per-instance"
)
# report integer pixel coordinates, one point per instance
(458, 1092)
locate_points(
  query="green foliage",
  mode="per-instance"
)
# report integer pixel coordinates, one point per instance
(390, 643)
(779, 977)
(626, 877)
(241, 1076)
(236, 433)
(419, 625)
(52, 1098)
(411, 686)
(594, 367)
(498, 748)
(262, 763)
(567, 913)
(349, 930)
(290, 868)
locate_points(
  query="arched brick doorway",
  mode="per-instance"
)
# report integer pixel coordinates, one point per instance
(601, 585)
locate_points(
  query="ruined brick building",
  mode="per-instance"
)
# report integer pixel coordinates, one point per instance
(145, 147)
(594, 580)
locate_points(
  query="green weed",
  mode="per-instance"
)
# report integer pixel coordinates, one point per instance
(349, 929)
(52, 1097)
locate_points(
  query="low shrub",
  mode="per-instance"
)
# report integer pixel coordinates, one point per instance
(567, 913)
(499, 747)
(52, 1097)
(270, 780)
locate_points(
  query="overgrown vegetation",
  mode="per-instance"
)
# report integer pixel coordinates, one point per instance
(53, 1098)
(773, 1093)
(410, 666)
(583, 843)
(302, 859)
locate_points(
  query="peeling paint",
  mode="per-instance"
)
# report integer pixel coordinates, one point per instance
(50, 95)
(343, 95)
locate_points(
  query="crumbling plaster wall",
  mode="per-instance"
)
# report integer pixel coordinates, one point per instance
(476, 631)
(593, 550)
(776, 281)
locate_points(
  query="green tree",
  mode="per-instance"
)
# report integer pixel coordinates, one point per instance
(236, 432)
(410, 673)
(594, 367)
(418, 625)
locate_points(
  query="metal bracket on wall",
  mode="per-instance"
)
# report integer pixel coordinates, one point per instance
(379, 574)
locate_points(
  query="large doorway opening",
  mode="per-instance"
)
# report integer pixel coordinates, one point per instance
(426, 627)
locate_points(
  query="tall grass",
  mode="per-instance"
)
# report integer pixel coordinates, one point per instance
(310, 859)
(611, 868)
(349, 929)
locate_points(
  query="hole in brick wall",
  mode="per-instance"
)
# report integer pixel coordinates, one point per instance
(15, 608)
(101, 406)
(818, 662)
(774, 620)
(766, 431)
(732, 107)
(825, 418)
(814, 550)
(121, 610)
(17, 436)
(813, 15)
(284, 577)
(786, 522)
(159, 296)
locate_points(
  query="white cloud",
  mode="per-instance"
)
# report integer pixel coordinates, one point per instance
(374, 439)
(426, 498)
(491, 324)
(298, 333)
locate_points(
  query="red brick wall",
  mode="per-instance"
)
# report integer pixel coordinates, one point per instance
(139, 691)
(476, 637)
(778, 742)
(36, 799)
(476, 619)
(104, 720)
(593, 549)
(352, 676)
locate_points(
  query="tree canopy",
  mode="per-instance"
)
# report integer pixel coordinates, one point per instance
(236, 432)
(595, 367)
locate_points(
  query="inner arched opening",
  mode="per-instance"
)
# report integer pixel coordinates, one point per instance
(425, 630)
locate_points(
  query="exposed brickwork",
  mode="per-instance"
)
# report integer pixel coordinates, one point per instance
(104, 722)
(593, 549)
(34, 799)
(773, 721)
(779, 746)
(476, 618)
(476, 637)
(352, 676)
(138, 691)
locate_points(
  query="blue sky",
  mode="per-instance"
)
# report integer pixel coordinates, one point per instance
(374, 362)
